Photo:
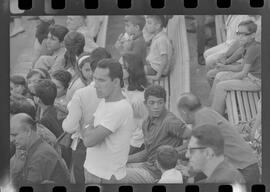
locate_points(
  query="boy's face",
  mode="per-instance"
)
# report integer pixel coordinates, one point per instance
(155, 106)
(244, 35)
(53, 42)
(74, 22)
(130, 28)
(15, 88)
(151, 25)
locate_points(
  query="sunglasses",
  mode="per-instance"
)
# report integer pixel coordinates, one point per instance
(243, 33)
(192, 149)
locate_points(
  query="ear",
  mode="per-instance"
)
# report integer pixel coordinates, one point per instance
(209, 152)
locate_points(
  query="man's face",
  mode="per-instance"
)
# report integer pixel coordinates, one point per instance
(244, 35)
(53, 43)
(103, 83)
(18, 135)
(196, 155)
(155, 106)
(74, 22)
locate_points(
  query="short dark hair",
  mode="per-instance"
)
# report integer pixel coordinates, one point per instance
(156, 91)
(58, 31)
(136, 20)
(189, 101)
(46, 90)
(209, 136)
(159, 18)
(97, 55)
(115, 69)
(63, 76)
(21, 104)
(135, 67)
(251, 26)
(167, 157)
(18, 80)
(74, 42)
(42, 72)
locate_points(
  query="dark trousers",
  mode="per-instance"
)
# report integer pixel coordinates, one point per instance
(251, 173)
(78, 158)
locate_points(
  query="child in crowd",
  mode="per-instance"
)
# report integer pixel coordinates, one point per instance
(132, 40)
(61, 79)
(83, 75)
(78, 24)
(18, 85)
(167, 157)
(160, 53)
(136, 85)
(35, 75)
(54, 46)
(74, 44)
(42, 31)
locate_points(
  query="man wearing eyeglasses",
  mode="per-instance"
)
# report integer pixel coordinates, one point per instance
(249, 78)
(206, 153)
(236, 150)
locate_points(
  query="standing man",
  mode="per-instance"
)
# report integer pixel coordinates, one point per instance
(81, 108)
(238, 152)
(107, 138)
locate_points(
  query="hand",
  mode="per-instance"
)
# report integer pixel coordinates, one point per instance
(17, 162)
(222, 60)
(220, 67)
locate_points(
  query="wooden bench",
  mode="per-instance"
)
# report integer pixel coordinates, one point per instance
(242, 105)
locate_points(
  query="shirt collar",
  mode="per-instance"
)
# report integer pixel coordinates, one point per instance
(158, 120)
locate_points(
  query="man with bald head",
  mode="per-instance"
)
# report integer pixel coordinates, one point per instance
(238, 152)
(34, 161)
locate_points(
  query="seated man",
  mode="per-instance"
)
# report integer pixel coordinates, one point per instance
(213, 54)
(160, 128)
(44, 92)
(249, 78)
(206, 153)
(34, 161)
(238, 152)
(55, 44)
(230, 61)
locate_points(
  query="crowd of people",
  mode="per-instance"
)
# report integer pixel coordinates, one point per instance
(81, 116)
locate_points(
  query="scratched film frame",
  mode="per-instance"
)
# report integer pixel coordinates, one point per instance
(141, 7)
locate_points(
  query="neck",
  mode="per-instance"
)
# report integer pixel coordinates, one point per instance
(115, 96)
(158, 31)
(212, 165)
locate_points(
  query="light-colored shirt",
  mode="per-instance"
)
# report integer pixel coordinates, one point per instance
(140, 113)
(73, 86)
(90, 45)
(160, 46)
(171, 176)
(81, 108)
(110, 157)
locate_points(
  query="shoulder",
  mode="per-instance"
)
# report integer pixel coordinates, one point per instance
(255, 47)
(171, 118)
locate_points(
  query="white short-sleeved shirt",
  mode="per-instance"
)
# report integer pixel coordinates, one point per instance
(110, 157)
(171, 176)
(160, 45)
(140, 113)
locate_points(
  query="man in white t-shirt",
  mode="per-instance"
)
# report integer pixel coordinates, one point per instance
(108, 138)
